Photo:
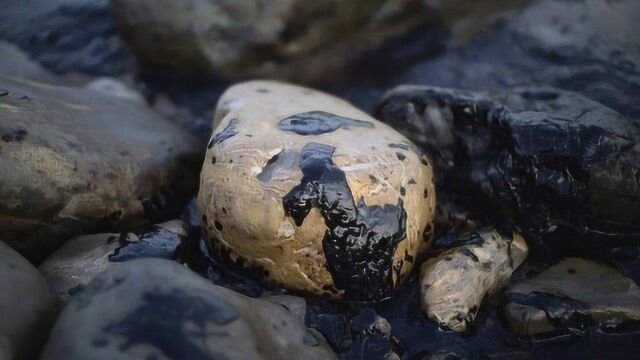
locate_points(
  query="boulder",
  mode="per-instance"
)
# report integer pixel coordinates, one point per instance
(26, 305)
(550, 159)
(313, 193)
(294, 40)
(15, 63)
(575, 294)
(79, 260)
(454, 284)
(83, 162)
(153, 308)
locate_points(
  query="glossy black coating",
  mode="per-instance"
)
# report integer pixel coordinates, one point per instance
(545, 158)
(154, 242)
(360, 240)
(228, 132)
(319, 122)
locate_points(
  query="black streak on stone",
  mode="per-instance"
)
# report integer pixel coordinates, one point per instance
(154, 243)
(360, 240)
(174, 323)
(319, 122)
(228, 132)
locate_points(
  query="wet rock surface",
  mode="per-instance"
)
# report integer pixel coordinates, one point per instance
(293, 40)
(573, 295)
(83, 162)
(79, 260)
(551, 160)
(26, 305)
(585, 46)
(340, 203)
(71, 35)
(156, 308)
(454, 284)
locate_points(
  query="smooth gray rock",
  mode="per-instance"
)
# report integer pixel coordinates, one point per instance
(83, 162)
(573, 294)
(27, 309)
(79, 260)
(157, 308)
(15, 63)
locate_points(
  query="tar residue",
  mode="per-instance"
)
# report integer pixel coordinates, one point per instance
(174, 323)
(319, 122)
(154, 243)
(544, 158)
(228, 132)
(360, 240)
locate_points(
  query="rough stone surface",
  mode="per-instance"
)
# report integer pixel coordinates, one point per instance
(454, 284)
(114, 87)
(82, 162)
(79, 260)
(316, 194)
(294, 40)
(26, 305)
(574, 294)
(152, 308)
(552, 160)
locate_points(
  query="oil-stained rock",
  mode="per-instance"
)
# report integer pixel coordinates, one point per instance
(315, 194)
(79, 260)
(295, 40)
(153, 308)
(550, 159)
(454, 284)
(575, 294)
(26, 306)
(65, 35)
(75, 161)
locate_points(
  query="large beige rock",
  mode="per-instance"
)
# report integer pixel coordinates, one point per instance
(27, 309)
(317, 194)
(157, 309)
(289, 39)
(454, 284)
(76, 161)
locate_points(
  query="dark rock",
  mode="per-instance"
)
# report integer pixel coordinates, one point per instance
(65, 35)
(552, 160)
(84, 162)
(574, 294)
(587, 46)
(80, 259)
(153, 308)
(26, 306)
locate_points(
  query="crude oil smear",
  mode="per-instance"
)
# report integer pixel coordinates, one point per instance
(228, 132)
(360, 240)
(173, 322)
(155, 243)
(319, 122)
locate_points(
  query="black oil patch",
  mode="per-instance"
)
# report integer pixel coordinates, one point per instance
(360, 240)
(228, 132)
(154, 243)
(563, 312)
(319, 122)
(174, 323)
